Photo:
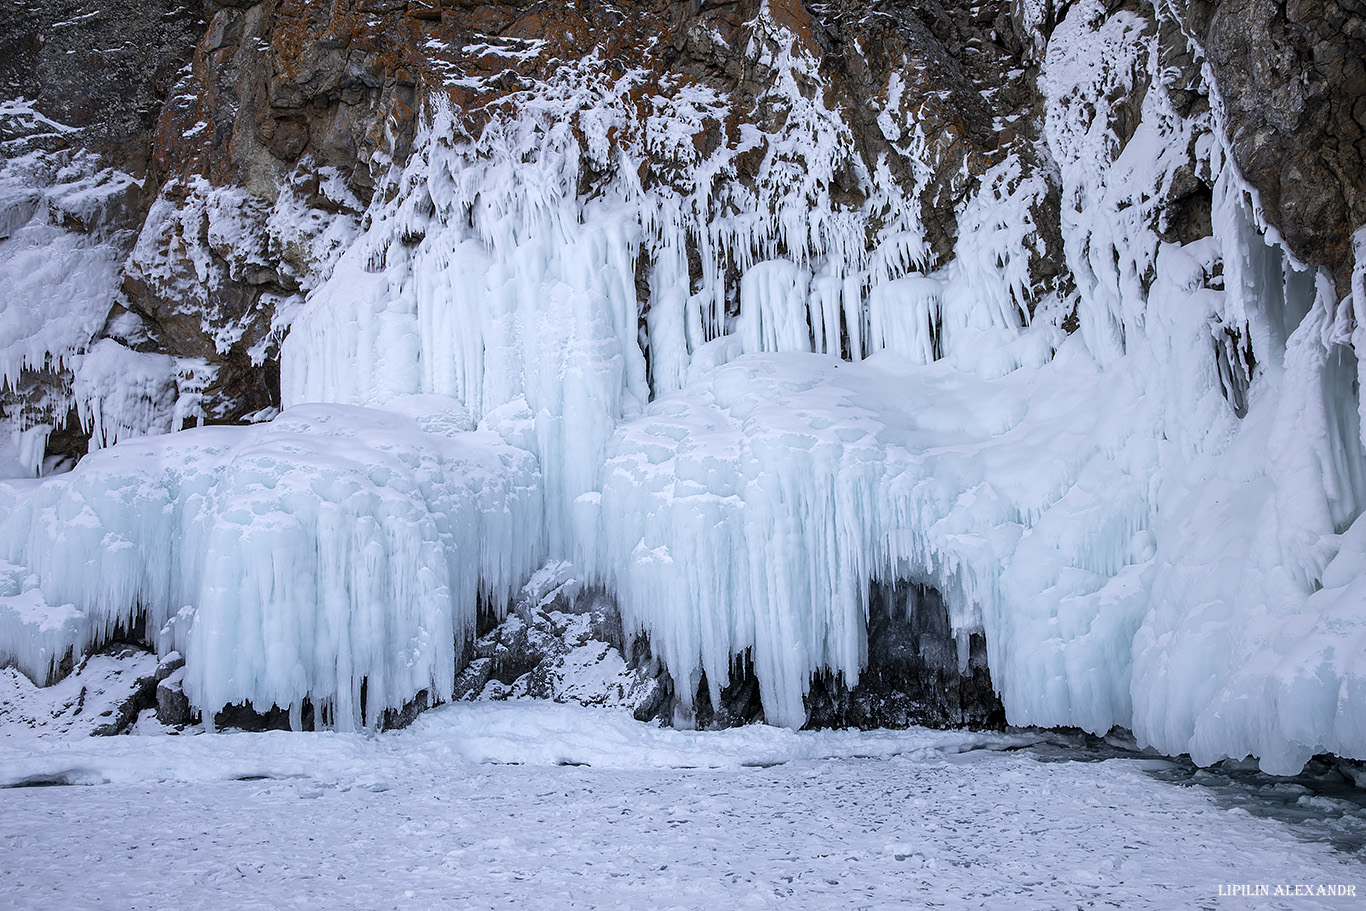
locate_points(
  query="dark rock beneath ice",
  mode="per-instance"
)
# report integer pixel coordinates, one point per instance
(173, 706)
(395, 719)
(246, 717)
(917, 674)
(1292, 80)
(738, 701)
(144, 691)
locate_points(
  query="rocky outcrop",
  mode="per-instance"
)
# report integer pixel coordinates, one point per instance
(1292, 81)
(105, 69)
(567, 645)
(564, 643)
(301, 108)
(172, 705)
(314, 102)
(103, 695)
(918, 672)
(92, 81)
(144, 695)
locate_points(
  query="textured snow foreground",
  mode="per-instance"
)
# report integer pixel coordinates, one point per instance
(552, 806)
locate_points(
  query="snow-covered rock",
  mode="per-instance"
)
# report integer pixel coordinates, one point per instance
(103, 695)
(333, 554)
(562, 643)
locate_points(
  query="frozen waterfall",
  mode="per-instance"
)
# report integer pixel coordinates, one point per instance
(1154, 519)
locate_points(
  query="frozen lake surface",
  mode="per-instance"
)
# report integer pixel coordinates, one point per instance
(524, 805)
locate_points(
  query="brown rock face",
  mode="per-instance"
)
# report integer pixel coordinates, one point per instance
(319, 100)
(107, 68)
(274, 82)
(1292, 76)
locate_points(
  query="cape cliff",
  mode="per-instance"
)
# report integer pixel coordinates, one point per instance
(780, 321)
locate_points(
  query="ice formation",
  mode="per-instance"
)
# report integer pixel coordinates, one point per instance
(59, 266)
(1154, 520)
(335, 554)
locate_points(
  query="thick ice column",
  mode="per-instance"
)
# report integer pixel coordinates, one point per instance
(773, 307)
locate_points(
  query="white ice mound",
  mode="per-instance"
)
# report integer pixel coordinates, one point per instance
(752, 510)
(333, 552)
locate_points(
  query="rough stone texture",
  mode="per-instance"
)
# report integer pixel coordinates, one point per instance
(145, 694)
(106, 67)
(738, 703)
(272, 82)
(217, 314)
(263, 95)
(173, 706)
(247, 718)
(103, 693)
(915, 673)
(396, 719)
(913, 677)
(565, 645)
(276, 93)
(1292, 76)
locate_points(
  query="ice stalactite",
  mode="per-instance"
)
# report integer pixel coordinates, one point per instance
(60, 251)
(488, 277)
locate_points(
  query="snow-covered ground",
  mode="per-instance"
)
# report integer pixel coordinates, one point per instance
(536, 805)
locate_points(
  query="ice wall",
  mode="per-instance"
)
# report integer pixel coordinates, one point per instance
(1247, 644)
(333, 552)
(488, 277)
(60, 252)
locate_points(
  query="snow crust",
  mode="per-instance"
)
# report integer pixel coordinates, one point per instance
(1154, 520)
